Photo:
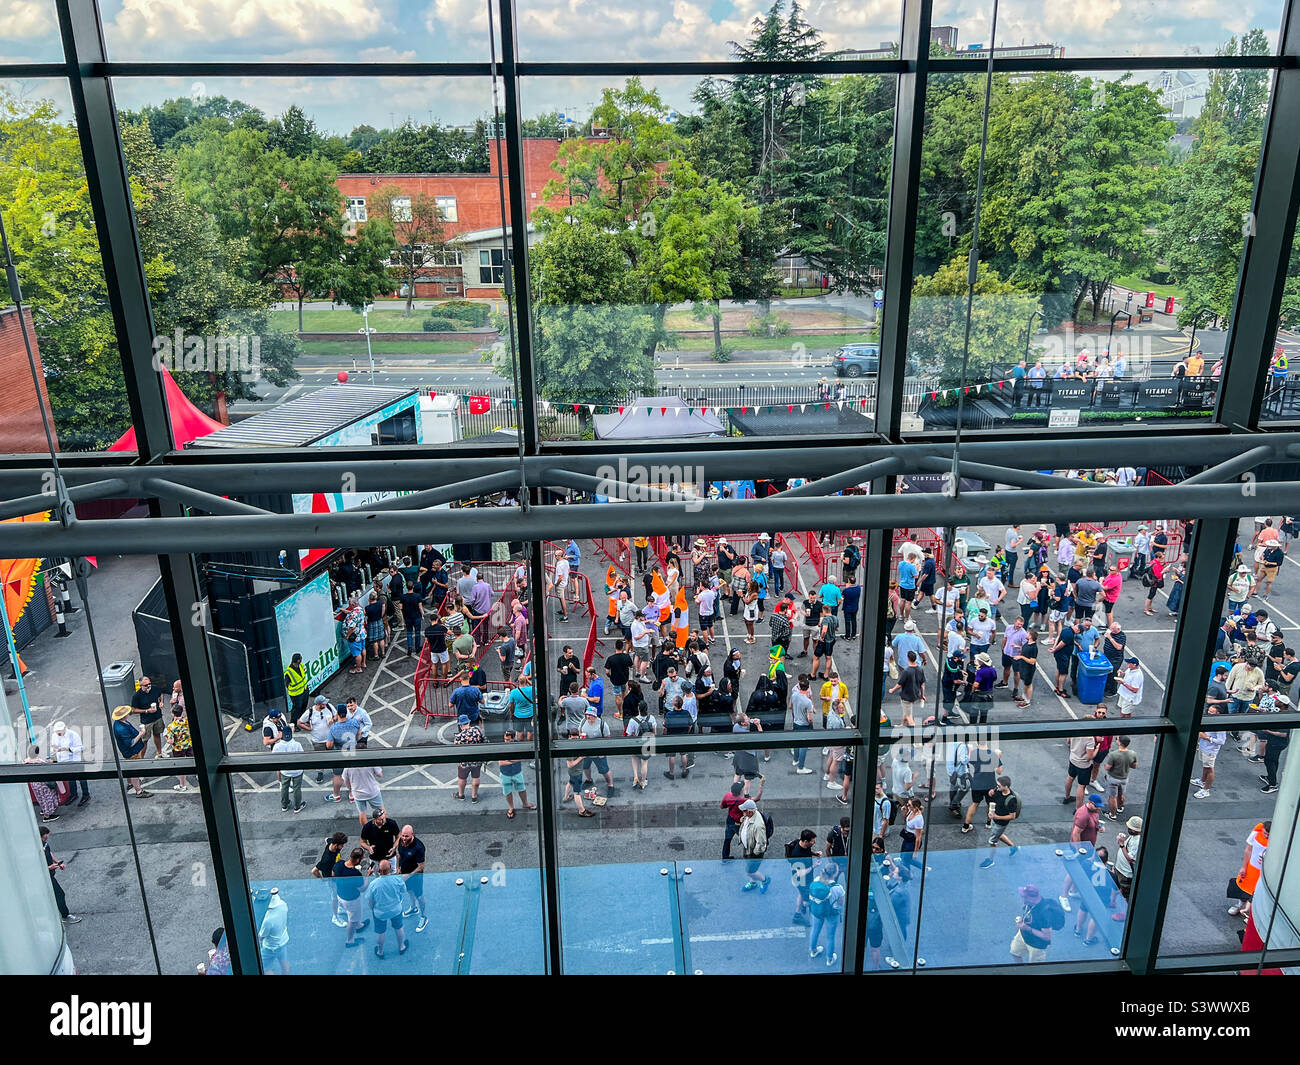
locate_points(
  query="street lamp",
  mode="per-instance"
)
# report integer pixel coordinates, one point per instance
(365, 313)
(1196, 320)
(1111, 335)
(1029, 331)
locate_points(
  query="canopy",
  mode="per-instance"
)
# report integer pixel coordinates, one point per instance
(655, 418)
(188, 422)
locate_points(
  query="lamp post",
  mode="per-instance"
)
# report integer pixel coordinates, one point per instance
(1111, 335)
(365, 313)
(1029, 332)
(1196, 320)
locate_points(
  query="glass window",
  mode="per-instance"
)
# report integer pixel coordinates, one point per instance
(1112, 220)
(745, 280)
(357, 208)
(402, 209)
(29, 33)
(491, 268)
(446, 208)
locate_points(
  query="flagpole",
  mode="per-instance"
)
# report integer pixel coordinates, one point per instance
(18, 672)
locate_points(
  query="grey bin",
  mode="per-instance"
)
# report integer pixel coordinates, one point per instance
(119, 683)
(1119, 554)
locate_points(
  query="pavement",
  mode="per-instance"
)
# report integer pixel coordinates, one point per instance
(674, 821)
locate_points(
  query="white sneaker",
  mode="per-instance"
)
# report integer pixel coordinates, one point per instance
(340, 921)
(826, 776)
(180, 787)
(825, 751)
(832, 785)
(1065, 902)
(802, 772)
(1202, 794)
(1198, 782)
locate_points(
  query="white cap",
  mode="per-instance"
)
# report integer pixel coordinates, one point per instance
(58, 728)
(909, 625)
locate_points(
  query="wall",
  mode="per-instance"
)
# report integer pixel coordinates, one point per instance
(20, 416)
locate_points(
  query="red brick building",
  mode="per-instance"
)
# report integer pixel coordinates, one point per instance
(20, 406)
(471, 209)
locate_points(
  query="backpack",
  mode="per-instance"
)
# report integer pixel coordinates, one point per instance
(677, 721)
(791, 848)
(893, 808)
(854, 557)
(769, 826)
(738, 583)
(643, 724)
(819, 898)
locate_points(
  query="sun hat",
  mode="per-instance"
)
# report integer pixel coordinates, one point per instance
(121, 712)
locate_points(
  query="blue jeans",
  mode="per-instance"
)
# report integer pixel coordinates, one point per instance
(778, 580)
(802, 753)
(831, 924)
(411, 631)
(1012, 556)
(1175, 597)
(1239, 706)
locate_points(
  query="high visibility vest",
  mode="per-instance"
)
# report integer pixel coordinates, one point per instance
(296, 680)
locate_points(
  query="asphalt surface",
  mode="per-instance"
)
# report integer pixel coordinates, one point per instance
(671, 820)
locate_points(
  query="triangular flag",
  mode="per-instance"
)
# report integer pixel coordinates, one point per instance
(803, 408)
(663, 411)
(575, 407)
(864, 402)
(840, 405)
(828, 406)
(620, 410)
(1002, 384)
(790, 408)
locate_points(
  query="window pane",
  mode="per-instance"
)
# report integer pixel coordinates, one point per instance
(1112, 217)
(1015, 610)
(600, 32)
(698, 897)
(745, 284)
(378, 31)
(29, 33)
(56, 249)
(321, 339)
(977, 883)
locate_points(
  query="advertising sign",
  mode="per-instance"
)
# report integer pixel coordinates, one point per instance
(305, 625)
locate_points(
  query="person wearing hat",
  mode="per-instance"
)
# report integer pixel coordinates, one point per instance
(468, 734)
(317, 719)
(1129, 686)
(1034, 927)
(1087, 824)
(981, 689)
(1240, 587)
(1126, 857)
(761, 551)
(908, 640)
(131, 742)
(274, 727)
(66, 745)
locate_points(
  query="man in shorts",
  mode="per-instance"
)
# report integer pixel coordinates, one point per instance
(379, 839)
(386, 895)
(349, 886)
(363, 790)
(511, 771)
(1078, 770)
(468, 734)
(1118, 763)
(1033, 927)
(1209, 744)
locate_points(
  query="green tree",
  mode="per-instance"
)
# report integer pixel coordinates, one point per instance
(1209, 215)
(288, 210)
(1238, 98)
(589, 334)
(999, 318)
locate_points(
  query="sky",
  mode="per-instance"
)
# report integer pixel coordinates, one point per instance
(560, 30)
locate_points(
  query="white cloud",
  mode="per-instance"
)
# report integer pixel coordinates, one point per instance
(186, 22)
(26, 18)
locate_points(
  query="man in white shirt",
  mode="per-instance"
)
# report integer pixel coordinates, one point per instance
(67, 747)
(1130, 687)
(317, 720)
(290, 779)
(559, 585)
(358, 714)
(994, 591)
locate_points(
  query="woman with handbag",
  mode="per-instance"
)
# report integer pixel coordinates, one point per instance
(750, 599)
(1154, 579)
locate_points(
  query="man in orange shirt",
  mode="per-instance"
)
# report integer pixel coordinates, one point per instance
(1195, 364)
(1242, 887)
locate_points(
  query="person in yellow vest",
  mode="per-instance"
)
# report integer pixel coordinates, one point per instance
(296, 684)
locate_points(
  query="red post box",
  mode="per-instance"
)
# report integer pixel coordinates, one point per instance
(1169, 305)
(1151, 299)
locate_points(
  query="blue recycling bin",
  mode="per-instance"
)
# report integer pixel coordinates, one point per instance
(1090, 686)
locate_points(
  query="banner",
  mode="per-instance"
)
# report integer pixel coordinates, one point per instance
(305, 625)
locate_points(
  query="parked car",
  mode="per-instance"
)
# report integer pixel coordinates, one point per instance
(857, 360)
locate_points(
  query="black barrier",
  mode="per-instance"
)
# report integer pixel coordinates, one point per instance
(153, 637)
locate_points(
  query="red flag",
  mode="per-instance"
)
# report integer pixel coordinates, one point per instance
(620, 410)
(934, 395)
(790, 408)
(663, 410)
(828, 406)
(479, 404)
(575, 407)
(1002, 384)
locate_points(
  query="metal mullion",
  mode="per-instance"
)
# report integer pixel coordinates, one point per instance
(1252, 329)
(1044, 65)
(1166, 802)
(276, 69)
(109, 188)
(706, 67)
(185, 603)
(19, 773)
(900, 230)
(383, 757)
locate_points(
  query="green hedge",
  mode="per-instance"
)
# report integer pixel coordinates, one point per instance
(474, 315)
(442, 325)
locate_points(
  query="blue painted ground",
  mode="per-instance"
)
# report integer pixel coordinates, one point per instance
(649, 918)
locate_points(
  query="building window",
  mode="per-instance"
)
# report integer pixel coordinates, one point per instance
(446, 207)
(491, 267)
(401, 208)
(444, 258)
(451, 290)
(357, 208)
